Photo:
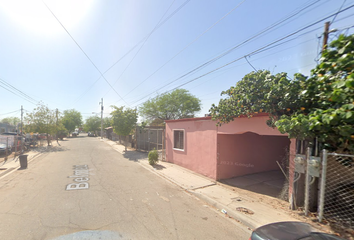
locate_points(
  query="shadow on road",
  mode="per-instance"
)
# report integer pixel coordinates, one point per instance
(49, 149)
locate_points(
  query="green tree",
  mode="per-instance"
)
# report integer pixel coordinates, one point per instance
(71, 120)
(123, 121)
(42, 120)
(259, 92)
(92, 124)
(327, 97)
(174, 105)
(320, 106)
(107, 122)
(11, 120)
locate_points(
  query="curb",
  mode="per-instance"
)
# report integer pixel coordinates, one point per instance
(238, 217)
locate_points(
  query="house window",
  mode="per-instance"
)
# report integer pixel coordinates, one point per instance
(178, 139)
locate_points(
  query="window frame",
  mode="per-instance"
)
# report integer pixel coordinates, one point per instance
(184, 140)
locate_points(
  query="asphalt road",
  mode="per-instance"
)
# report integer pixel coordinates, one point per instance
(119, 199)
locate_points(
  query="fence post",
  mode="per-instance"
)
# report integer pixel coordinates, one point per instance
(7, 145)
(323, 185)
(149, 140)
(307, 183)
(16, 147)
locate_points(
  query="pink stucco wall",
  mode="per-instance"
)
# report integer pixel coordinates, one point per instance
(199, 153)
(255, 124)
(242, 154)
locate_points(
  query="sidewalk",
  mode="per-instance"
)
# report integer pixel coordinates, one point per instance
(13, 162)
(251, 211)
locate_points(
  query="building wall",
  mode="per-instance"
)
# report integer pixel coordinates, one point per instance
(199, 153)
(255, 124)
(242, 154)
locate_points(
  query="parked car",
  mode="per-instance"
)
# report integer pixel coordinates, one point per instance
(91, 134)
(290, 231)
(3, 149)
(74, 134)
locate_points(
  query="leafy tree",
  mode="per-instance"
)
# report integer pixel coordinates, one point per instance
(107, 122)
(174, 105)
(328, 100)
(320, 106)
(42, 120)
(92, 124)
(260, 92)
(71, 119)
(11, 120)
(123, 121)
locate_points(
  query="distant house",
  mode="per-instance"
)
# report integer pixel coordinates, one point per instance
(5, 127)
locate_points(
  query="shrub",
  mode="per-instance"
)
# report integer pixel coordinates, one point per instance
(153, 157)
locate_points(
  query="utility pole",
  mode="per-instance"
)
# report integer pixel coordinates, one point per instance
(56, 124)
(325, 36)
(101, 103)
(21, 129)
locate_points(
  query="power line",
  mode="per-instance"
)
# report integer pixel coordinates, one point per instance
(10, 112)
(186, 47)
(337, 12)
(142, 44)
(136, 45)
(259, 50)
(235, 47)
(77, 44)
(17, 92)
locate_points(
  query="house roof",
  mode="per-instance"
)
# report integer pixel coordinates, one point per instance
(209, 118)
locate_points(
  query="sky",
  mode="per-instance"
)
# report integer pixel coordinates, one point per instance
(69, 54)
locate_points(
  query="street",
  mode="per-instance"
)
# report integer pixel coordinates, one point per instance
(86, 185)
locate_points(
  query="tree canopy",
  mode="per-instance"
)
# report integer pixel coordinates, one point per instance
(174, 105)
(123, 121)
(72, 119)
(43, 120)
(327, 97)
(321, 105)
(92, 124)
(11, 120)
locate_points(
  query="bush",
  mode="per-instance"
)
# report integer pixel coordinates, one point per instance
(153, 157)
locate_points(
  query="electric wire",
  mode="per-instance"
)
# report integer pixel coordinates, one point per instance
(77, 44)
(142, 45)
(16, 89)
(17, 92)
(259, 50)
(9, 112)
(238, 45)
(135, 46)
(213, 25)
(337, 13)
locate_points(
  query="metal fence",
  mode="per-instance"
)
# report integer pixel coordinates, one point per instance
(150, 138)
(336, 198)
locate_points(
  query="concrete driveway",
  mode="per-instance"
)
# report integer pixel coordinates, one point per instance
(268, 183)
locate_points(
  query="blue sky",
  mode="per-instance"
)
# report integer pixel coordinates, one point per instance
(55, 51)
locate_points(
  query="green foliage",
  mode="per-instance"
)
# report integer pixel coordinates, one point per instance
(11, 120)
(42, 120)
(260, 92)
(92, 124)
(328, 96)
(123, 121)
(153, 157)
(174, 105)
(321, 105)
(107, 122)
(72, 119)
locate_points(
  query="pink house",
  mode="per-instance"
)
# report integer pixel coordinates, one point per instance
(241, 147)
